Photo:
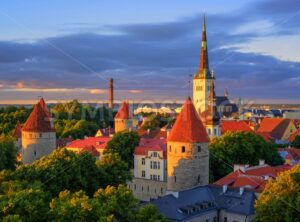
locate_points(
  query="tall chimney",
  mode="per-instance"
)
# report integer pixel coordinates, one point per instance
(111, 94)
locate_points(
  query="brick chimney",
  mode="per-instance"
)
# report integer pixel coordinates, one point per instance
(111, 94)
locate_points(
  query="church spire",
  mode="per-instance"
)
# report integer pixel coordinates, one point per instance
(204, 71)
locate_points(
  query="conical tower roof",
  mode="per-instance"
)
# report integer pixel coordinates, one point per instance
(38, 121)
(188, 126)
(44, 106)
(123, 112)
(18, 130)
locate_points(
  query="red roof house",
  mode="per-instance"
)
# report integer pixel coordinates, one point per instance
(234, 126)
(146, 145)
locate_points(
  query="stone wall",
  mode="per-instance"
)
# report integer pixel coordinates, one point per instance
(187, 169)
(145, 190)
(37, 145)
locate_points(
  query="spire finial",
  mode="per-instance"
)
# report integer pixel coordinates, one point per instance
(204, 23)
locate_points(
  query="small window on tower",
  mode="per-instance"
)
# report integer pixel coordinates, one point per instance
(199, 148)
(175, 179)
(34, 153)
(199, 179)
(183, 149)
(170, 149)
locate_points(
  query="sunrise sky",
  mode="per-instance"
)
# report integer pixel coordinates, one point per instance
(67, 49)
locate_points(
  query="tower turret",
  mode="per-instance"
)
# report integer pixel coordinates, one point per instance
(123, 119)
(187, 161)
(38, 135)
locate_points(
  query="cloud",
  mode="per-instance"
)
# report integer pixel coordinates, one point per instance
(161, 57)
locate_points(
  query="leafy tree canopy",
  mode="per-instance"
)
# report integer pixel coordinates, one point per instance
(8, 153)
(124, 144)
(239, 148)
(280, 200)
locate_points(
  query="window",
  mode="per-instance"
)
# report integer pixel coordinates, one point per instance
(198, 179)
(41, 135)
(207, 220)
(143, 161)
(151, 177)
(175, 179)
(158, 177)
(161, 190)
(143, 173)
(225, 219)
(34, 153)
(215, 131)
(209, 132)
(215, 219)
(170, 149)
(151, 166)
(155, 154)
(158, 165)
(142, 188)
(199, 148)
(135, 186)
(183, 149)
(148, 189)
(198, 88)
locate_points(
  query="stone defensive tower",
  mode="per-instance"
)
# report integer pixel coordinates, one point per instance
(202, 79)
(38, 135)
(123, 119)
(187, 144)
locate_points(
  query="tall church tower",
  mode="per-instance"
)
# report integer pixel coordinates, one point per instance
(187, 157)
(123, 119)
(202, 79)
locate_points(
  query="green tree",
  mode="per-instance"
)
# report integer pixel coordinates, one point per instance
(280, 200)
(62, 170)
(8, 153)
(124, 144)
(114, 170)
(239, 148)
(296, 142)
(72, 207)
(149, 213)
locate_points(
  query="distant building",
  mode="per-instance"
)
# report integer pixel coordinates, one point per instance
(254, 177)
(17, 135)
(94, 145)
(123, 119)
(235, 126)
(208, 203)
(38, 134)
(280, 129)
(290, 155)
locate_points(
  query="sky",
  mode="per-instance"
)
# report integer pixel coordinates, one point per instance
(68, 49)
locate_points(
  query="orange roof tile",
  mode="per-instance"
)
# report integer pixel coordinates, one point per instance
(38, 121)
(275, 126)
(97, 142)
(188, 126)
(123, 112)
(147, 145)
(234, 125)
(18, 131)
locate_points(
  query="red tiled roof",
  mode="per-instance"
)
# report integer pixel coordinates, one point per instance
(97, 142)
(275, 126)
(234, 126)
(18, 131)
(293, 135)
(123, 112)
(90, 149)
(157, 133)
(38, 121)
(44, 106)
(267, 136)
(255, 177)
(147, 145)
(188, 126)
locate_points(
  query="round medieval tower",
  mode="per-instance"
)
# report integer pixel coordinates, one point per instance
(187, 145)
(38, 136)
(123, 119)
